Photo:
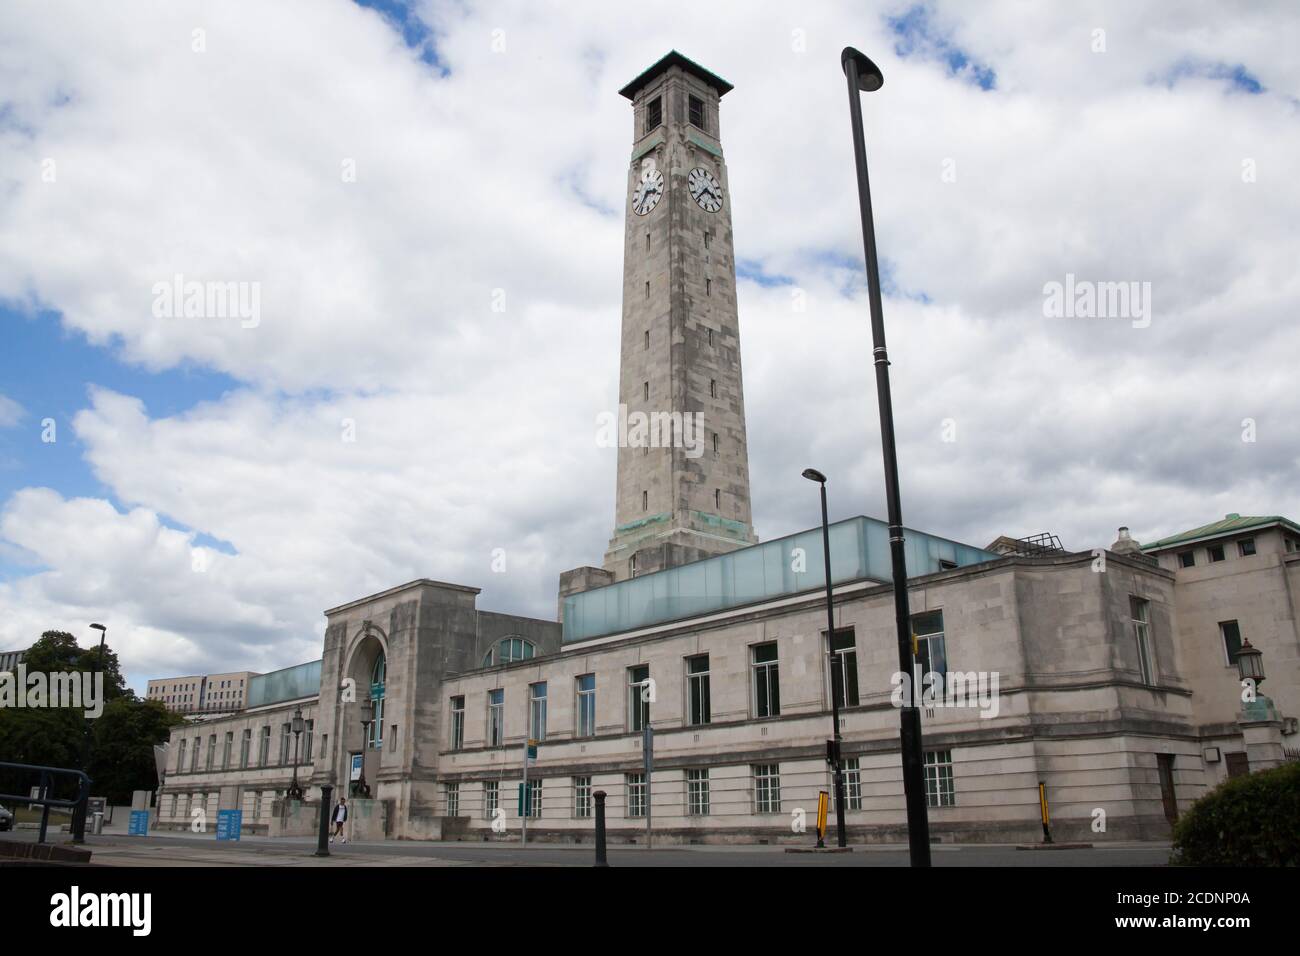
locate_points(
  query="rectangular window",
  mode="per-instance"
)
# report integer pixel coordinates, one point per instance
(194, 757)
(1231, 634)
(1140, 610)
(710, 336)
(647, 338)
(635, 783)
(842, 659)
(264, 746)
(654, 114)
(697, 686)
(697, 792)
(647, 288)
(851, 768)
(180, 757)
(491, 798)
(717, 498)
(645, 501)
(582, 797)
(457, 723)
(638, 697)
(713, 388)
(212, 752)
(226, 748)
(695, 109)
(708, 286)
(1215, 551)
(496, 717)
(931, 647)
(587, 705)
(537, 711)
(533, 806)
(286, 734)
(938, 779)
(1246, 547)
(245, 744)
(767, 788)
(708, 239)
(451, 794)
(767, 680)
(715, 444)
(645, 391)
(1187, 559)
(309, 732)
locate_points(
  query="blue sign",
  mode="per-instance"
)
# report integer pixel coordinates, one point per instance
(139, 825)
(229, 823)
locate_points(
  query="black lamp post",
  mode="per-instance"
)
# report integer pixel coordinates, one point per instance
(812, 474)
(863, 76)
(295, 791)
(79, 814)
(367, 718)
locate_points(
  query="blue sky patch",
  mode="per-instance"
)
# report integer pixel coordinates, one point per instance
(917, 36)
(415, 32)
(1238, 78)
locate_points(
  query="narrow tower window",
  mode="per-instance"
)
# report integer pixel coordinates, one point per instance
(715, 444)
(713, 388)
(708, 239)
(645, 501)
(654, 114)
(647, 288)
(647, 242)
(696, 111)
(646, 388)
(708, 287)
(647, 338)
(710, 336)
(717, 497)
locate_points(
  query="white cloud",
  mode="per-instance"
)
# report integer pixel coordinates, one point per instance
(474, 428)
(11, 413)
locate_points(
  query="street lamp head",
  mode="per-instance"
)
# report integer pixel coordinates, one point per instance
(98, 627)
(1250, 663)
(812, 474)
(870, 78)
(297, 721)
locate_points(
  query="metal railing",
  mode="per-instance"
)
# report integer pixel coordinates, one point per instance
(47, 774)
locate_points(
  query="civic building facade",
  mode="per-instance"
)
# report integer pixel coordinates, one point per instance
(690, 675)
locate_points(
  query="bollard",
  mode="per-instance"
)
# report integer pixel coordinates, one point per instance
(599, 796)
(323, 836)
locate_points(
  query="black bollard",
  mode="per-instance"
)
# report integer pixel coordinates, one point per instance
(323, 837)
(600, 828)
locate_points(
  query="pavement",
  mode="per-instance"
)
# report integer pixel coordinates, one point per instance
(183, 849)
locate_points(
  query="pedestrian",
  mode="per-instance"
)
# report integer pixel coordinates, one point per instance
(340, 817)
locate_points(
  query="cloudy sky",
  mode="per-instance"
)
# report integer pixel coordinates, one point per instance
(428, 197)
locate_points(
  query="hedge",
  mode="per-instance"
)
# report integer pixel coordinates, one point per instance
(1252, 820)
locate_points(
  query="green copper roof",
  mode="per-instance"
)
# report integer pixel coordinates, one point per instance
(1230, 524)
(676, 59)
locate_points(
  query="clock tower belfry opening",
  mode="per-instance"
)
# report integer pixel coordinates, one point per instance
(683, 463)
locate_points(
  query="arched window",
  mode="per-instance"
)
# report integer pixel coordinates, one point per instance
(509, 649)
(377, 698)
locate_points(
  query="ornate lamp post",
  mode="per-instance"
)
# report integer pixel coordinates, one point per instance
(367, 718)
(1250, 664)
(295, 791)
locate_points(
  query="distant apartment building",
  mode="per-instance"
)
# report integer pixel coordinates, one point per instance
(202, 693)
(9, 660)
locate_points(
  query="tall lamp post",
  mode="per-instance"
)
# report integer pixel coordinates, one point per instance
(79, 815)
(863, 76)
(367, 718)
(812, 474)
(295, 791)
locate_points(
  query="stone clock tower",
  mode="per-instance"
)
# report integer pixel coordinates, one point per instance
(683, 468)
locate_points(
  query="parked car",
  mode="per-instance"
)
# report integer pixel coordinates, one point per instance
(6, 819)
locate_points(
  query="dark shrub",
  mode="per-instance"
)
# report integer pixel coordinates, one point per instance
(1247, 821)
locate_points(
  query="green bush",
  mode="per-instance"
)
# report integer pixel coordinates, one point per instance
(1247, 821)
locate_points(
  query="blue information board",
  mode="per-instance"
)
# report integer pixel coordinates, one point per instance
(229, 823)
(139, 825)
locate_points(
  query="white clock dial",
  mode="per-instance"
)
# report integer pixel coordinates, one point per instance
(648, 192)
(705, 189)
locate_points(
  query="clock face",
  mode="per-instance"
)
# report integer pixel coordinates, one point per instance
(705, 189)
(648, 192)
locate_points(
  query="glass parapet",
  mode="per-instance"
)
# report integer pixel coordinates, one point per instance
(773, 569)
(292, 683)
